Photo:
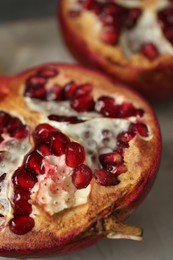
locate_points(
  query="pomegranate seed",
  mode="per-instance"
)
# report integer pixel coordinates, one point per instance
(140, 128)
(69, 119)
(5, 118)
(42, 133)
(69, 90)
(48, 72)
(125, 110)
(55, 93)
(21, 204)
(110, 35)
(83, 89)
(24, 179)
(139, 112)
(75, 154)
(20, 133)
(81, 176)
(13, 124)
(35, 81)
(33, 162)
(44, 149)
(114, 158)
(132, 18)
(105, 178)
(117, 170)
(38, 92)
(150, 51)
(59, 142)
(125, 137)
(82, 103)
(88, 4)
(106, 106)
(21, 225)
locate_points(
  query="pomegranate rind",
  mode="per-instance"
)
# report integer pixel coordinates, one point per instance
(52, 235)
(154, 81)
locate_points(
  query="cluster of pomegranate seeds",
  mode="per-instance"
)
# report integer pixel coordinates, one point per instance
(166, 22)
(114, 18)
(113, 163)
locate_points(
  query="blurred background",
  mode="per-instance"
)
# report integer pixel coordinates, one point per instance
(29, 35)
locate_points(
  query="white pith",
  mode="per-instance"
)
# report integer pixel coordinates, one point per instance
(146, 30)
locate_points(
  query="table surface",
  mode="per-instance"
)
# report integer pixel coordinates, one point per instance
(28, 43)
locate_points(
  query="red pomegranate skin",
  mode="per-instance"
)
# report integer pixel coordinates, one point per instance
(155, 83)
(73, 240)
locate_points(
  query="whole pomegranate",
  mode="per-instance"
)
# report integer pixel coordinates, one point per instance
(127, 39)
(77, 156)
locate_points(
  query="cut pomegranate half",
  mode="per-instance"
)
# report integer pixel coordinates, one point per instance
(71, 174)
(129, 40)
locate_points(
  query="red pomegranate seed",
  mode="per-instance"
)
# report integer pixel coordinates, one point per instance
(75, 154)
(106, 106)
(114, 158)
(88, 4)
(69, 90)
(54, 93)
(81, 176)
(24, 179)
(59, 142)
(42, 133)
(150, 51)
(110, 35)
(82, 103)
(20, 133)
(44, 149)
(69, 119)
(21, 225)
(5, 119)
(21, 204)
(132, 17)
(48, 72)
(117, 170)
(105, 178)
(13, 124)
(140, 128)
(33, 162)
(139, 112)
(83, 89)
(35, 81)
(125, 110)
(38, 92)
(125, 137)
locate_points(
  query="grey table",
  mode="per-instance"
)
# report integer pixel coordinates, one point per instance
(28, 43)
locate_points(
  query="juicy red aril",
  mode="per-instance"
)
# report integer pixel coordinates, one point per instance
(105, 178)
(33, 162)
(5, 118)
(82, 103)
(35, 81)
(48, 72)
(106, 106)
(38, 92)
(81, 176)
(42, 132)
(113, 158)
(88, 4)
(69, 90)
(140, 128)
(132, 17)
(125, 110)
(150, 51)
(83, 89)
(21, 204)
(21, 225)
(69, 119)
(125, 137)
(58, 143)
(20, 132)
(110, 35)
(75, 154)
(13, 124)
(44, 149)
(117, 170)
(24, 179)
(54, 93)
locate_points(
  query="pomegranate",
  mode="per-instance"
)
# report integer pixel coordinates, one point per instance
(129, 40)
(71, 176)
